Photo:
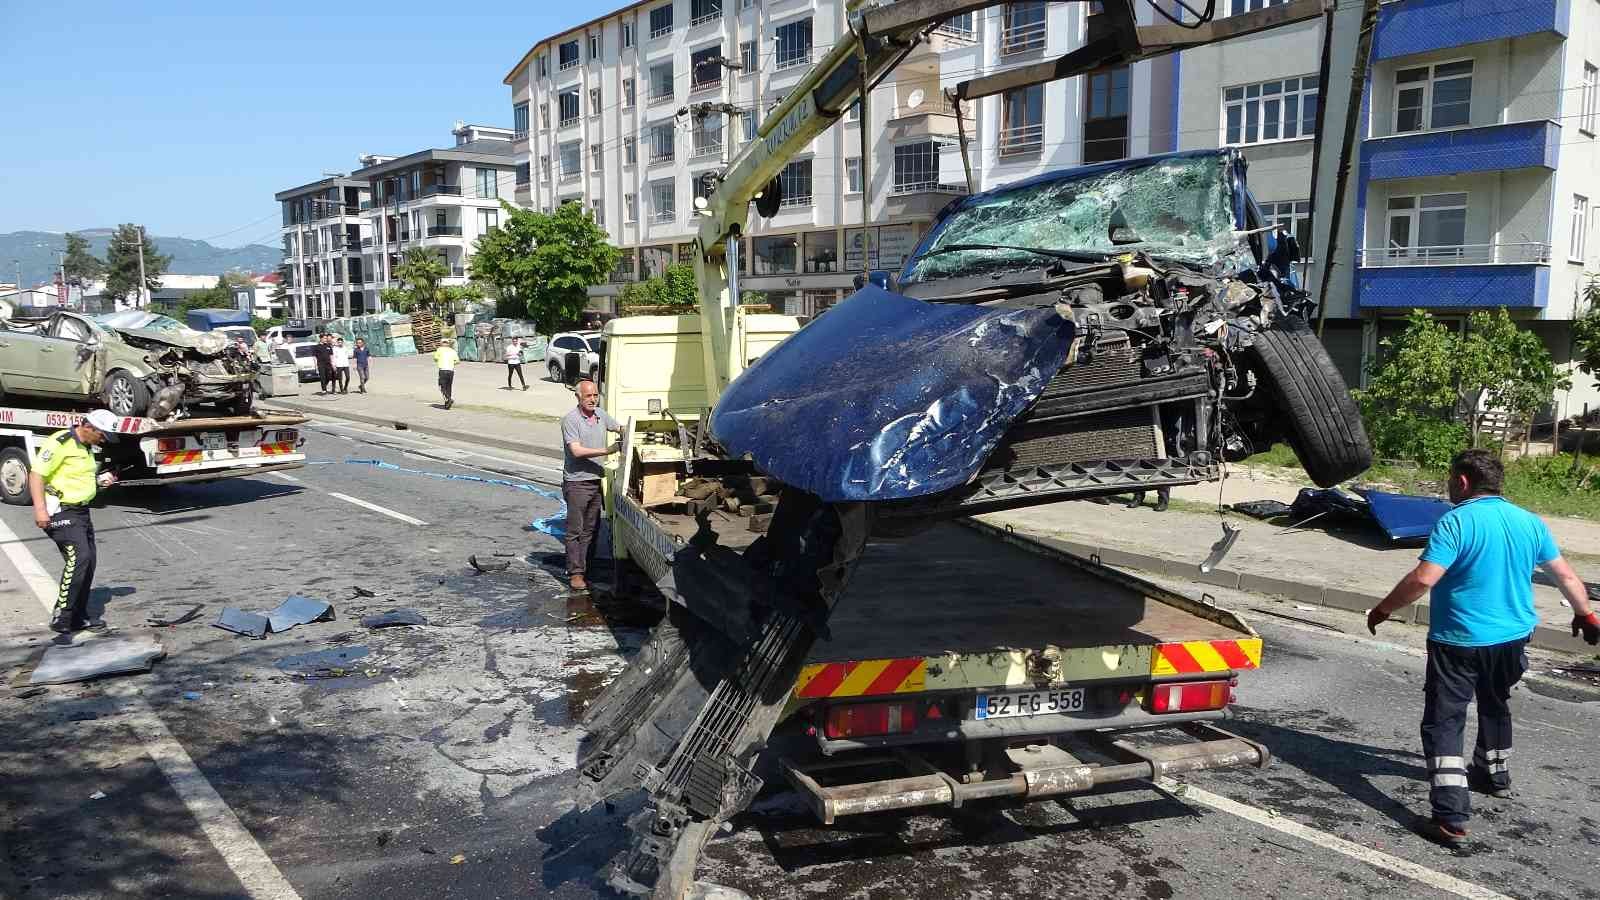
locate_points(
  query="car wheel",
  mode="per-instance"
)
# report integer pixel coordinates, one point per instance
(125, 395)
(1324, 423)
(14, 476)
(556, 374)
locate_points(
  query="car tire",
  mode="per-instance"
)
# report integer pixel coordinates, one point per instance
(1323, 421)
(556, 374)
(14, 477)
(125, 395)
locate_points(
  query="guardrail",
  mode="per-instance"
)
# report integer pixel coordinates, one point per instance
(1521, 252)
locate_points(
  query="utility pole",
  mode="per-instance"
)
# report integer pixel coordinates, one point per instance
(61, 278)
(144, 299)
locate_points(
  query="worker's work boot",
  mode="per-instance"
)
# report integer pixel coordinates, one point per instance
(1444, 833)
(1482, 782)
(578, 583)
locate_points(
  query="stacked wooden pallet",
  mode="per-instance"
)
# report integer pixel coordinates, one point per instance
(425, 331)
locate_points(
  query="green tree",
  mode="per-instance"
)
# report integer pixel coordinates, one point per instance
(122, 263)
(79, 265)
(674, 287)
(1508, 365)
(397, 299)
(544, 264)
(1586, 332)
(422, 273)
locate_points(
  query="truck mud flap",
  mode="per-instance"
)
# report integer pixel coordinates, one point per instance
(686, 720)
(1036, 773)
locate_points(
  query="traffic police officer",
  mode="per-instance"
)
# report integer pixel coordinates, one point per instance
(63, 481)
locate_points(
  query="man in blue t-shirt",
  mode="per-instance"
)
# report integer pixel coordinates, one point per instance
(1479, 563)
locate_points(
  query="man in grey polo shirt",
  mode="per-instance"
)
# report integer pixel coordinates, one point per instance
(585, 443)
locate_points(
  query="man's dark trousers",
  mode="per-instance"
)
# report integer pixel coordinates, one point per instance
(1455, 676)
(583, 516)
(74, 536)
(447, 378)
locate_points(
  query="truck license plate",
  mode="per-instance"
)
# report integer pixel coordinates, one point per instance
(1028, 703)
(214, 441)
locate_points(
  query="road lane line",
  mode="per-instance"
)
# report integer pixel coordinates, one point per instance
(286, 477)
(432, 445)
(376, 508)
(237, 846)
(1375, 858)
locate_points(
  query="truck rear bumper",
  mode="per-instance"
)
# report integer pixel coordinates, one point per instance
(1037, 773)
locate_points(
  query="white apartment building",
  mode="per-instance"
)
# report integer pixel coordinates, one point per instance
(322, 236)
(439, 200)
(604, 118)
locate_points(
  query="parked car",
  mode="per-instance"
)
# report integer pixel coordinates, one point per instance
(584, 342)
(305, 359)
(136, 363)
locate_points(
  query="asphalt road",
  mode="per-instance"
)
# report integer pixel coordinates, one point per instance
(456, 739)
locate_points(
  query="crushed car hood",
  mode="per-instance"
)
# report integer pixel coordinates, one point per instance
(132, 324)
(884, 397)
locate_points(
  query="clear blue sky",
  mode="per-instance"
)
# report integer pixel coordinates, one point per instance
(188, 116)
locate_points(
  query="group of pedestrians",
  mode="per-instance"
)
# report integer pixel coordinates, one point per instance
(334, 361)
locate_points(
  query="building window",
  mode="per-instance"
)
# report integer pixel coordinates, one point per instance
(488, 220)
(1022, 27)
(661, 82)
(630, 151)
(1292, 216)
(1426, 228)
(568, 54)
(594, 48)
(661, 21)
(630, 208)
(1578, 250)
(1270, 111)
(747, 57)
(519, 120)
(794, 44)
(571, 160)
(1022, 126)
(597, 159)
(488, 184)
(916, 166)
(522, 172)
(957, 27)
(1589, 99)
(662, 142)
(627, 93)
(542, 62)
(774, 255)
(544, 168)
(1438, 96)
(852, 175)
(748, 122)
(795, 183)
(544, 115)
(594, 101)
(852, 113)
(567, 104)
(821, 251)
(664, 201)
(747, 4)
(708, 135)
(1235, 7)
(597, 211)
(704, 69)
(1105, 131)
(627, 34)
(703, 11)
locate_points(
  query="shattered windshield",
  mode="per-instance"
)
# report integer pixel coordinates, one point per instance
(1176, 207)
(133, 318)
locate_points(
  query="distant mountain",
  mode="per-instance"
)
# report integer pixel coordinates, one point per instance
(37, 250)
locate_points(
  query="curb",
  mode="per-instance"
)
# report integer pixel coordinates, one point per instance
(468, 437)
(1544, 637)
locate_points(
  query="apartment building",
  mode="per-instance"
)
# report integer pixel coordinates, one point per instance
(608, 115)
(439, 200)
(322, 233)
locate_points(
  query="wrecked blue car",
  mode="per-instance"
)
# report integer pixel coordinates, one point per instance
(1105, 329)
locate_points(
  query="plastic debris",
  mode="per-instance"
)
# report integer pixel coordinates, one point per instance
(298, 610)
(167, 621)
(487, 565)
(363, 592)
(394, 618)
(191, 695)
(331, 663)
(239, 621)
(458, 859)
(106, 656)
(1261, 509)
(427, 849)
(98, 795)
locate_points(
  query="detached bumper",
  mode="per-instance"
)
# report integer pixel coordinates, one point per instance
(1036, 773)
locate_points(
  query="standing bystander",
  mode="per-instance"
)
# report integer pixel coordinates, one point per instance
(514, 363)
(445, 358)
(584, 443)
(341, 365)
(1478, 562)
(362, 357)
(322, 352)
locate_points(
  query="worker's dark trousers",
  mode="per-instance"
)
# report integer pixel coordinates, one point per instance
(1455, 676)
(515, 369)
(583, 515)
(447, 377)
(74, 536)
(327, 377)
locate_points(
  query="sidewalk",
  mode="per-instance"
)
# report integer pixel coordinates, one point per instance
(405, 390)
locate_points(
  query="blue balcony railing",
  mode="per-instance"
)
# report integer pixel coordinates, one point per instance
(1421, 26)
(1490, 148)
(1453, 286)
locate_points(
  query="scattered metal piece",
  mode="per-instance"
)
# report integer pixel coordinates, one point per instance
(107, 656)
(298, 610)
(401, 426)
(343, 637)
(1230, 536)
(238, 621)
(487, 566)
(458, 859)
(191, 695)
(185, 617)
(1583, 670)
(384, 837)
(426, 849)
(363, 592)
(335, 662)
(504, 553)
(28, 692)
(1303, 522)
(98, 795)
(1279, 615)
(393, 618)
(1261, 509)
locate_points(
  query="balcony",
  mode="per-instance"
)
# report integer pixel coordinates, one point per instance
(1022, 38)
(352, 246)
(1464, 276)
(665, 215)
(366, 243)
(1456, 151)
(802, 58)
(444, 231)
(707, 149)
(570, 176)
(1421, 26)
(366, 205)
(446, 190)
(658, 98)
(1023, 140)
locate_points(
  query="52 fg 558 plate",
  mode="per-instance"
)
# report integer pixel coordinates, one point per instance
(1028, 703)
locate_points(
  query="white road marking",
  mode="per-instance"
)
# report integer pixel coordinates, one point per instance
(395, 438)
(1375, 858)
(237, 846)
(286, 477)
(376, 508)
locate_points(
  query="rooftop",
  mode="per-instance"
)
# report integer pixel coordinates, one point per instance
(316, 187)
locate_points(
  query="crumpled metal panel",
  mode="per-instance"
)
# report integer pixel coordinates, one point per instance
(298, 610)
(885, 398)
(1405, 517)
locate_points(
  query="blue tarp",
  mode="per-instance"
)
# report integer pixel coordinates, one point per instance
(208, 319)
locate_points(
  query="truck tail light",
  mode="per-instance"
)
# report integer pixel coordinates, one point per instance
(853, 720)
(169, 445)
(287, 436)
(1193, 696)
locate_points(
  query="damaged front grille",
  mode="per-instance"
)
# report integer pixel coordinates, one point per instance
(1121, 434)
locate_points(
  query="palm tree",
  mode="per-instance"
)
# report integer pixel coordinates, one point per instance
(422, 273)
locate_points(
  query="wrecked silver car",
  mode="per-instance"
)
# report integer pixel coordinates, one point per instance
(136, 363)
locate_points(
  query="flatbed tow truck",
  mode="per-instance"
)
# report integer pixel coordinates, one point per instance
(885, 655)
(153, 453)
